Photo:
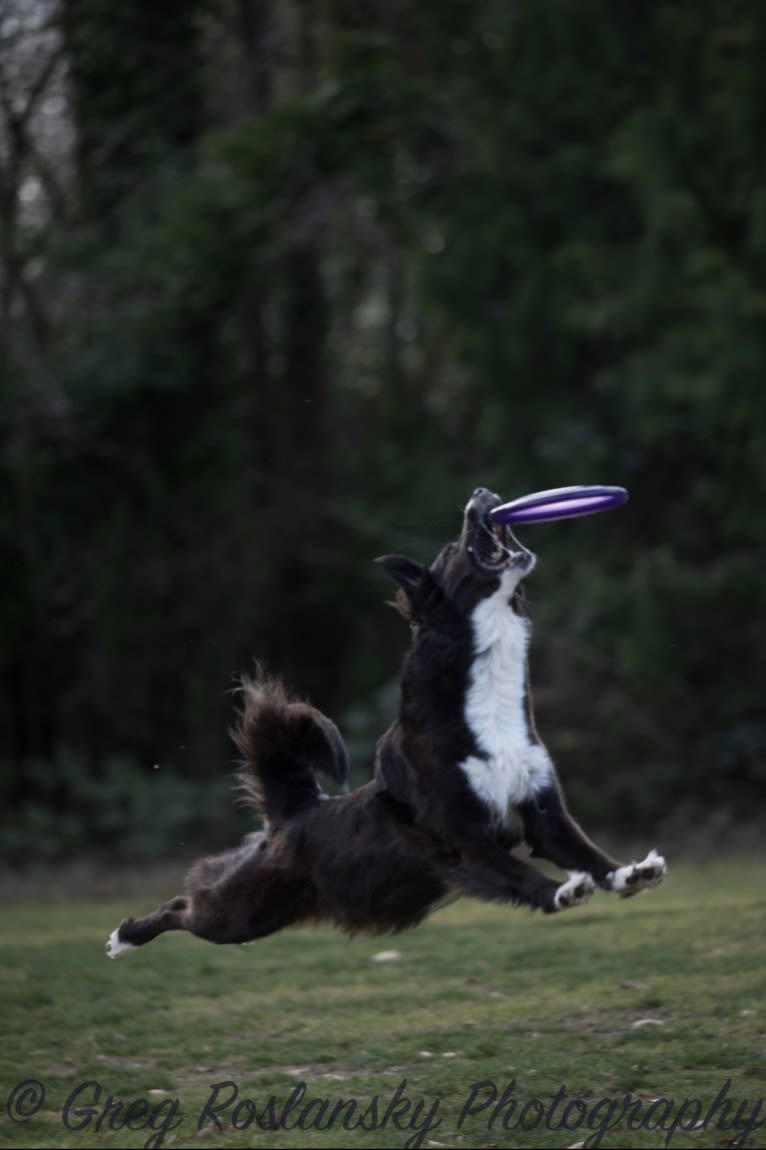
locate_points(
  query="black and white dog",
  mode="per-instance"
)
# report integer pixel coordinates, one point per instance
(461, 777)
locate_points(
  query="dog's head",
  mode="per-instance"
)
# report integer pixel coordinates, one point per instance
(481, 562)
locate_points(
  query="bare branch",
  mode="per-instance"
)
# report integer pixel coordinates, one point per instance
(41, 83)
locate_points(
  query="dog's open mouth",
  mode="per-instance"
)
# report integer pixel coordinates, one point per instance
(492, 546)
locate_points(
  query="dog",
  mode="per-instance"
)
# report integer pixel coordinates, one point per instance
(461, 778)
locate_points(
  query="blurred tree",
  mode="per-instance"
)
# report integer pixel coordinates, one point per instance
(135, 89)
(283, 281)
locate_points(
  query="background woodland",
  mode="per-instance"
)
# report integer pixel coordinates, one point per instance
(281, 282)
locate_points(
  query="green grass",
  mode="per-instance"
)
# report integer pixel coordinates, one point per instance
(659, 997)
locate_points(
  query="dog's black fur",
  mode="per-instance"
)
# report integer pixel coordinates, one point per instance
(380, 859)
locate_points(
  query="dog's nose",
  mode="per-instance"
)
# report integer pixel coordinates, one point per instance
(483, 495)
(481, 501)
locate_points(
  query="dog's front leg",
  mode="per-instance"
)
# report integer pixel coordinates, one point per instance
(553, 834)
(485, 870)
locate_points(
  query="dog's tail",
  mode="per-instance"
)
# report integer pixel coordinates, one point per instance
(283, 743)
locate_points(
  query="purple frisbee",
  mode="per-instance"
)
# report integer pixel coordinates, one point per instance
(559, 503)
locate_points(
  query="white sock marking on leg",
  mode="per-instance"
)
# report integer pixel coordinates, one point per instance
(115, 947)
(644, 875)
(565, 896)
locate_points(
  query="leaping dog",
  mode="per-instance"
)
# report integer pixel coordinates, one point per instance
(461, 778)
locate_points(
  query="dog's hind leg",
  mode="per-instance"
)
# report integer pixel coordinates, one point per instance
(134, 932)
(553, 834)
(234, 898)
(248, 906)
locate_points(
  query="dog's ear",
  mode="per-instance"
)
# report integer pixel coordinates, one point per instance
(407, 573)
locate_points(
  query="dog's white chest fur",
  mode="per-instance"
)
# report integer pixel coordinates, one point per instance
(512, 766)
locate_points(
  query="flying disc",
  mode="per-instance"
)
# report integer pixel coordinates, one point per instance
(559, 503)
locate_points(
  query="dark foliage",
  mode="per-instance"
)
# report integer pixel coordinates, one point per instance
(282, 283)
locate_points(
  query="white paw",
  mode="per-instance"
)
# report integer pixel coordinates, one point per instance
(575, 891)
(115, 947)
(629, 880)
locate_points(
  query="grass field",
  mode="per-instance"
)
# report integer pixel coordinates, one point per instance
(636, 1023)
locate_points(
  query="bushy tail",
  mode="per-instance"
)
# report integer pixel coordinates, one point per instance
(283, 742)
